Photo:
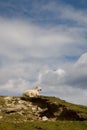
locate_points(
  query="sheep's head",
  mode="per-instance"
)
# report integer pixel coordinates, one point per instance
(38, 88)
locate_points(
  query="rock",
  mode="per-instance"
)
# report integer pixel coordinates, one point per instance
(14, 108)
(56, 103)
(0, 107)
(44, 118)
(21, 102)
(8, 104)
(20, 113)
(1, 117)
(21, 106)
(39, 109)
(34, 109)
(29, 105)
(10, 110)
(8, 98)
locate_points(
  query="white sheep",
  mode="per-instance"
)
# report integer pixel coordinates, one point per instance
(32, 93)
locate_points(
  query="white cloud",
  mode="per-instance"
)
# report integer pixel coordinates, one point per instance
(28, 47)
(51, 78)
(14, 86)
(66, 12)
(69, 83)
(30, 54)
(82, 60)
(60, 72)
(21, 39)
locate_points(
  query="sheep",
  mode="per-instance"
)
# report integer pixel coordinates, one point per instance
(32, 93)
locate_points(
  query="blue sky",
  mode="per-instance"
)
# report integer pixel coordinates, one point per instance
(44, 42)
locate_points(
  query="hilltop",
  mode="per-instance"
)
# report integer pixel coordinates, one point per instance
(22, 109)
(18, 110)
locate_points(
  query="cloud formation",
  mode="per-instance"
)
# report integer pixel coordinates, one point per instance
(70, 81)
(51, 54)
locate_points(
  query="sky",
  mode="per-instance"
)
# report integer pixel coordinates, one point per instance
(44, 42)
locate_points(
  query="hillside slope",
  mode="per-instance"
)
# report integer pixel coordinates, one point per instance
(20, 109)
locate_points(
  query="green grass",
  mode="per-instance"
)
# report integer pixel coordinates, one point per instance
(16, 122)
(57, 125)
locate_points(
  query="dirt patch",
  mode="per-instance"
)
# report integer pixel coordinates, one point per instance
(53, 110)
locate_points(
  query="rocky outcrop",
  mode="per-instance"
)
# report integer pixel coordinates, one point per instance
(20, 109)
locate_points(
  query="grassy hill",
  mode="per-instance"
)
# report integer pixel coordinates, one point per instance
(41, 113)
